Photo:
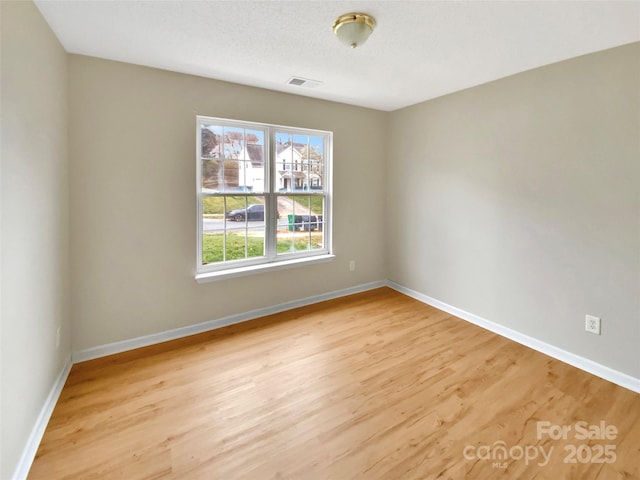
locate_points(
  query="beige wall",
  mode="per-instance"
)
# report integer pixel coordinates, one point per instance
(517, 201)
(35, 254)
(520, 203)
(133, 230)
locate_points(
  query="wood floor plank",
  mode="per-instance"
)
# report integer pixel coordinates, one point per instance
(373, 386)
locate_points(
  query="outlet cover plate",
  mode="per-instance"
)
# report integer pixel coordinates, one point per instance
(592, 324)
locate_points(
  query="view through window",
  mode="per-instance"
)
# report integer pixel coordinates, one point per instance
(264, 193)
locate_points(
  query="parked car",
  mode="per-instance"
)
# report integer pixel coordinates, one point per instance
(305, 223)
(311, 222)
(254, 211)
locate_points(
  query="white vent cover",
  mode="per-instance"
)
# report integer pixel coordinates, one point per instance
(304, 82)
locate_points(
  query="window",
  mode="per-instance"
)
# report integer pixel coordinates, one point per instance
(264, 196)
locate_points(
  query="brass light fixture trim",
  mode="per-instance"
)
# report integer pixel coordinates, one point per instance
(353, 29)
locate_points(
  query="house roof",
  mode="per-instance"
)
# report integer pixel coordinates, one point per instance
(256, 153)
(236, 150)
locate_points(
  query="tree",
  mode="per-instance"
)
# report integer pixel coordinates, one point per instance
(209, 142)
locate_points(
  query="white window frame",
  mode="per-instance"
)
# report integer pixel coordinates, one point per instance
(272, 260)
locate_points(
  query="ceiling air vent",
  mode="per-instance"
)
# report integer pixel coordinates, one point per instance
(304, 82)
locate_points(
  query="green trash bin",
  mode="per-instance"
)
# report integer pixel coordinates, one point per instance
(291, 219)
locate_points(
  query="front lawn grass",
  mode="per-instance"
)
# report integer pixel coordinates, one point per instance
(212, 246)
(215, 205)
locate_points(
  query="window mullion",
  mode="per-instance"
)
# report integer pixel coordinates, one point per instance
(200, 218)
(271, 225)
(224, 230)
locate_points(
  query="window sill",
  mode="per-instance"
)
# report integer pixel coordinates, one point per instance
(262, 268)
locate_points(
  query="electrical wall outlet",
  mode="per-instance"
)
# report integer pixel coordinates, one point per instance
(592, 324)
(352, 265)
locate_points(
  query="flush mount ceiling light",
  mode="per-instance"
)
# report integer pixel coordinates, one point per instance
(353, 29)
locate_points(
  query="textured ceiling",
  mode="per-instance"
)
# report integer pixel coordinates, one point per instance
(420, 49)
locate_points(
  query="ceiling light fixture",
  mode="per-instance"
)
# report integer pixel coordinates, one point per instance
(353, 29)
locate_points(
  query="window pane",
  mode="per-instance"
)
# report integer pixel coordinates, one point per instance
(233, 143)
(254, 161)
(245, 227)
(212, 175)
(243, 209)
(210, 138)
(223, 142)
(213, 209)
(284, 162)
(301, 224)
(299, 162)
(232, 159)
(219, 176)
(241, 244)
(233, 228)
(212, 247)
(313, 156)
(212, 229)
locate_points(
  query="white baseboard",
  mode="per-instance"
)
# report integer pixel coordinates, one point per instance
(619, 378)
(152, 339)
(33, 442)
(614, 376)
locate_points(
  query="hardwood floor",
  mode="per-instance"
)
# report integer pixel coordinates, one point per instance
(370, 386)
